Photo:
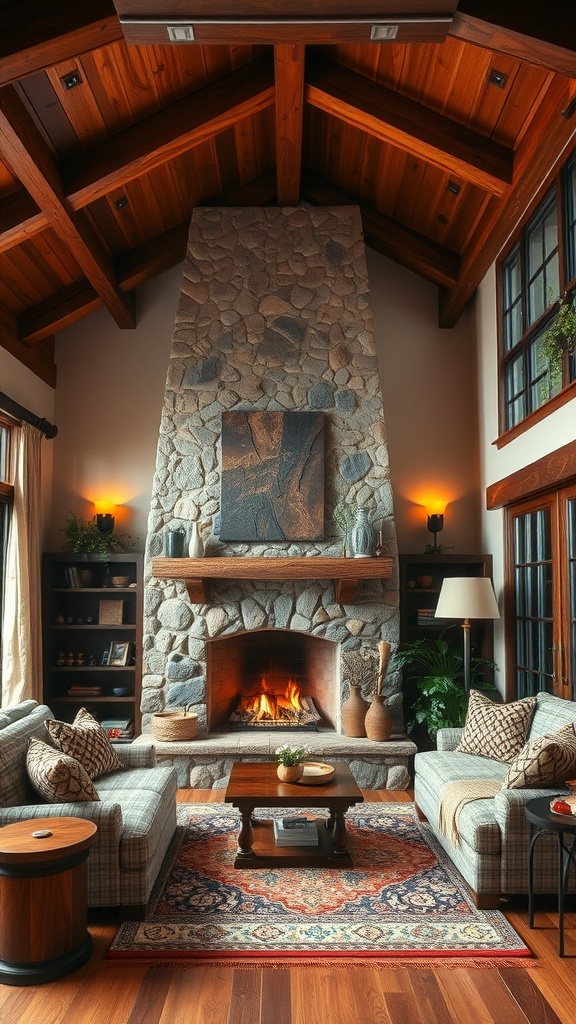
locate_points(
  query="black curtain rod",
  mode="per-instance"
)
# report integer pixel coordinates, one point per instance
(11, 407)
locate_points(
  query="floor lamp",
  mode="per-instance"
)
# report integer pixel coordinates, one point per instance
(467, 597)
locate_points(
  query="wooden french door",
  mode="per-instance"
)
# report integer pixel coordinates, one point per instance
(541, 586)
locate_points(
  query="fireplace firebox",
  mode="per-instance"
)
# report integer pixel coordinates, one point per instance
(272, 678)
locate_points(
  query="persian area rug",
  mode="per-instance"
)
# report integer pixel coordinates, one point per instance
(402, 898)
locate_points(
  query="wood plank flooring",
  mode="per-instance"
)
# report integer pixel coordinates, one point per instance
(545, 994)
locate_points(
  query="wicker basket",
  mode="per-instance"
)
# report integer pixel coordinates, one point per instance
(174, 725)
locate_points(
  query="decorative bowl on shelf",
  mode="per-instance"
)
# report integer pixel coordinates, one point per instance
(121, 691)
(120, 581)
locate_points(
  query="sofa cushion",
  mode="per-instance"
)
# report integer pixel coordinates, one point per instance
(544, 761)
(496, 731)
(551, 714)
(56, 777)
(14, 714)
(15, 788)
(86, 742)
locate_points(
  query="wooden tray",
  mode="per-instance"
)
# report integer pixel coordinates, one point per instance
(316, 773)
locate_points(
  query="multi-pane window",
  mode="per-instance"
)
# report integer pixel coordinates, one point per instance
(536, 273)
(542, 552)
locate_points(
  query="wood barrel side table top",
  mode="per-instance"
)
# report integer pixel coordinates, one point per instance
(43, 898)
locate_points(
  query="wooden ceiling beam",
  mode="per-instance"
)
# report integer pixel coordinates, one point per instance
(133, 269)
(289, 112)
(537, 157)
(26, 152)
(428, 259)
(157, 139)
(38, 34)
(169, 133)
(20, 219)
(409, 126)
(529, 31)
(37, 358)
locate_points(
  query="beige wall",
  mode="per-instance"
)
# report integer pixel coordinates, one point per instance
(428, 380)
(546, 436)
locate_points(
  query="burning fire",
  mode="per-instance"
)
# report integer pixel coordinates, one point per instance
(269, 704)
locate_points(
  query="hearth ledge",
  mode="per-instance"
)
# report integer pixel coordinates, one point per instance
(205, 763)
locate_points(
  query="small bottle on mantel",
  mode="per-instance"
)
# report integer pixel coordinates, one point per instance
(196, 544)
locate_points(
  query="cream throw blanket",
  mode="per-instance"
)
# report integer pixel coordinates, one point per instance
(453, 797)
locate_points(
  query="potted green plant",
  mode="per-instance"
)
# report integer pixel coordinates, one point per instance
(84, 538)
(438, 677)
(560, 336)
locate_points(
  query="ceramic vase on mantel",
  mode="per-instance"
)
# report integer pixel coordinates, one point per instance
(362, 536)
(290, 772)
(354, 712)
(196, 544)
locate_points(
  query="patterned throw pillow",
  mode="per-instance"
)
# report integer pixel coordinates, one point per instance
(496, 730)
(56, 777)
(544, 761)
(87, 742)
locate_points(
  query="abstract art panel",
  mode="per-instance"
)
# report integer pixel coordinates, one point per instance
(272, 483)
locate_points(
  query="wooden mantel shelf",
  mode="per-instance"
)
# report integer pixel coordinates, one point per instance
(345, 572)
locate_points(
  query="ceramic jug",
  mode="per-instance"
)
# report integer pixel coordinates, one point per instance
(196, 544)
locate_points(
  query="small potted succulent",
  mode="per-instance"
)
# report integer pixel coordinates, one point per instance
(289, 758)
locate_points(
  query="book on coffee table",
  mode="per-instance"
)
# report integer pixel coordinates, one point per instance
(301, 835)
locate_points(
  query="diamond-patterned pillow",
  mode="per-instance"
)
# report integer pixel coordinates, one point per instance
(496, 730)
(87, 742)
(57, 777)
(544, 761)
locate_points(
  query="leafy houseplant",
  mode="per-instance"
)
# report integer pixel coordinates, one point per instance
(84, 538)
(439, 677)
(560, 336)
(289, 755)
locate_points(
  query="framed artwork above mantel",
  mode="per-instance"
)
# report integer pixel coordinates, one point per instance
(272, 480)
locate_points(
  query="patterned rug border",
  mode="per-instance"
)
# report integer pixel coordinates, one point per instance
(339, 959)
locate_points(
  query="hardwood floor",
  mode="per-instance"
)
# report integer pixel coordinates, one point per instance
(545, 994)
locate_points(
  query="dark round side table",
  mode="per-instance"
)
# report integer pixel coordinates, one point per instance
(543, 820)
(43, 898)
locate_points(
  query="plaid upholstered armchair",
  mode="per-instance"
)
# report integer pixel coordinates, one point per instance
(488, 841)
(135, 811)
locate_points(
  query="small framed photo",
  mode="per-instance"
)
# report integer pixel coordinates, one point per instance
(105, 657)
(111, 612)
(119, 653)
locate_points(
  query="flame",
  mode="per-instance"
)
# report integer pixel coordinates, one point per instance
(266, 703)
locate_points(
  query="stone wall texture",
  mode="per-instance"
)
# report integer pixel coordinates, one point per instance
(274, 314)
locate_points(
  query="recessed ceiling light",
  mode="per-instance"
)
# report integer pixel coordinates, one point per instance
(497, 78)
(121, 203)
(454, 187)
(72, 80)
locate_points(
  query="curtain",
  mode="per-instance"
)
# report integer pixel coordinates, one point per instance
(21, 620)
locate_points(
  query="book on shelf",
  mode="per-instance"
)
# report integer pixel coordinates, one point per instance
(301, 835)
(76, 690)
(73, 576)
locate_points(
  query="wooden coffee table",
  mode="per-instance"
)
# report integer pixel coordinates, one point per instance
(254, 785)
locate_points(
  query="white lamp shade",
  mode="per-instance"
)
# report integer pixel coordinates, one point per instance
(467, 597)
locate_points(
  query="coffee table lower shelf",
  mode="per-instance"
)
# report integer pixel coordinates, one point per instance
(265, 853)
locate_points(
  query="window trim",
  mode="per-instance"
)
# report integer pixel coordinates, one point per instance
(555, 183)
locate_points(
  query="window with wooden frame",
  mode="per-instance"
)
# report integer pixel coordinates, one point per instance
(541, 560)
(537, 278)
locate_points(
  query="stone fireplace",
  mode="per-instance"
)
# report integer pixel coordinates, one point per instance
(274, 315)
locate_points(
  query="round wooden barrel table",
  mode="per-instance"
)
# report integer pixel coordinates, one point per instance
(43, 898)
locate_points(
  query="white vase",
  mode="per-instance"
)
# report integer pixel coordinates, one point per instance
(196, 544)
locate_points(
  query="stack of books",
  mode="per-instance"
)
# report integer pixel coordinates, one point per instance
(295, 832)
(76, 690)
(426, 616)
(118, 730)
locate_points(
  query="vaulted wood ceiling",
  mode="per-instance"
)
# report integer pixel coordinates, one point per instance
(441, 135)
